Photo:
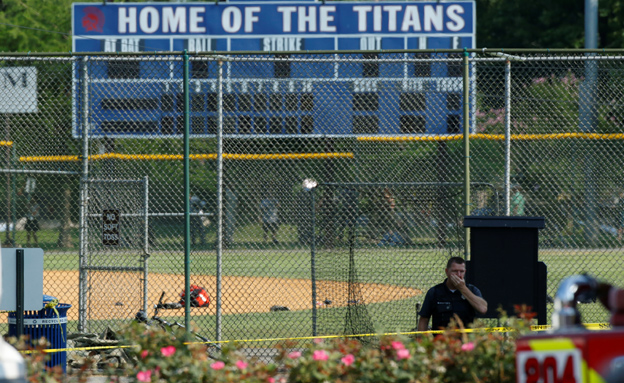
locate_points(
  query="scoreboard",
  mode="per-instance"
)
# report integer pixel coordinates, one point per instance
(287, 97)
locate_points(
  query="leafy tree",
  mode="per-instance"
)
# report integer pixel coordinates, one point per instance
(546, 23)
(36, 26)
(530, 23)
(611, 16)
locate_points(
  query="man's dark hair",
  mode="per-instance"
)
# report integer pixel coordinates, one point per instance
(458, 260)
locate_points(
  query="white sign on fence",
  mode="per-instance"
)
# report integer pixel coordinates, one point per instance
(33, 279)
(18, 90)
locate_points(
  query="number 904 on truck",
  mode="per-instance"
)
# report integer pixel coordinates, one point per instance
(570, 353)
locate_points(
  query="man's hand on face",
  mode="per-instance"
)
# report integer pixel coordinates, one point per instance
(456, 281)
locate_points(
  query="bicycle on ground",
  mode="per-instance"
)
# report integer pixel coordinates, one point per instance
(214, 349)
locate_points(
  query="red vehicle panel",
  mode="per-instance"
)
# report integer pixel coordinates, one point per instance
(571, 356)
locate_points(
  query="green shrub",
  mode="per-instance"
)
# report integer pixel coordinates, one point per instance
(452, 356)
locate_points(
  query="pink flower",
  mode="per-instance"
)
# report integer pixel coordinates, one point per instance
(241, 365)
(398, 345)
(403, 354)
(144, 376)
(348, 359)
(320, 355)
(468, 346)
(294, 355)
(168, 351)
(218, 365)
(144, 354)
(318, 340)
(271, 379)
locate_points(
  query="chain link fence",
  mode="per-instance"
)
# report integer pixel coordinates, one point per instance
(379, 135)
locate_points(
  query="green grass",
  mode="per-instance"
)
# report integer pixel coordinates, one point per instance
(47, 238)
(292, 324)
(258, 329)
(408, 267)
(393, 266)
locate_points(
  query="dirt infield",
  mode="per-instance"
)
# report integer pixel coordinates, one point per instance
(118, 294)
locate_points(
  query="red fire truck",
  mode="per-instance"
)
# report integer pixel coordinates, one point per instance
(570, 353)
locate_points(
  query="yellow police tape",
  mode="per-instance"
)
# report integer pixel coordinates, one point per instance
(589, 326)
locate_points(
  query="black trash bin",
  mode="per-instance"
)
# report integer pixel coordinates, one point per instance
(45, 324)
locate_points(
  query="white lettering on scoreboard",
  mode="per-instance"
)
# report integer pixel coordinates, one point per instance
(561, 366)
(422, 84)
(122, 45)
(294, 18)
(199, 45)
(273, 44)
(370, 43)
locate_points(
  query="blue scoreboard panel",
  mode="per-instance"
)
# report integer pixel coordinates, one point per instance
(291, 97)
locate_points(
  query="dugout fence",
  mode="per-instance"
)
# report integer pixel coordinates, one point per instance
(258, 124)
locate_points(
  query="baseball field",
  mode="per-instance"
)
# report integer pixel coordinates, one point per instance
(241, 294)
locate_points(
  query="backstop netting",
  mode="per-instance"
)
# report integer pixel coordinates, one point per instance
(375, 246)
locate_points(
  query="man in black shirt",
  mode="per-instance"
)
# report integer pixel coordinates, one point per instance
(453, 296)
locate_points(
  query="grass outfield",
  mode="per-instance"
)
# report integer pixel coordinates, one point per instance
(295, 263)
(405, 267)
(253, 257)
(254, 327)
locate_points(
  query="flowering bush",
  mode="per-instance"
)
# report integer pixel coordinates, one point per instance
(453, 356)
(162, 357)
(35, 359)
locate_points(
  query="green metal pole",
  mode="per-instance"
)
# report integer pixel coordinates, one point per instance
(187, 192)
(313, 260)
(13, 195)
(466, 116)
(219, 314)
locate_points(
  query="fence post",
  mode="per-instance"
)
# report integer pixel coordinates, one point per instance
(10, 180)
(84, 189)
(13, 199)
(313, 259)
(219, 192)
(507, 135)
(146, 234)
(466, 116)
(588, 122)
(187, 192)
